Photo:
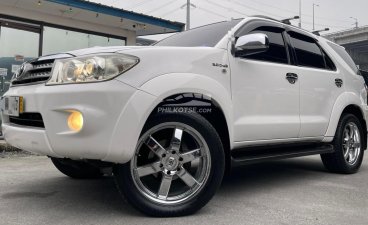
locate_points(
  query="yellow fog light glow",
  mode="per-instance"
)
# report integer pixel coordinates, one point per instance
(75, 121)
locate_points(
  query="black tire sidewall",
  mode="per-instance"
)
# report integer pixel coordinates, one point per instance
(126, 185)
(345, 167)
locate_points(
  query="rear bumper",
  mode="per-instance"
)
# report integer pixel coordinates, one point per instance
(110, 130)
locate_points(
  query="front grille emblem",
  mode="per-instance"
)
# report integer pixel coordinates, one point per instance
(34, 71)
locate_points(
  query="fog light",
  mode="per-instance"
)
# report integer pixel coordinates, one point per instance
(75, 121)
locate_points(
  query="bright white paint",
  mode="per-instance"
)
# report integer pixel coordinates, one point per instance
(260, 105)
(266, 105)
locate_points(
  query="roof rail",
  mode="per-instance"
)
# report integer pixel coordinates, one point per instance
(266, 17)
(318, 32)
(285, 21)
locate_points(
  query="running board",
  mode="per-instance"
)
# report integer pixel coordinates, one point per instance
(259, 154)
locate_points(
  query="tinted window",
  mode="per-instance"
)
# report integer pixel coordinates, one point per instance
(345, 56)
(277, 51)
(365, 76)
(329, 63)
(207, 36)
(307, 51)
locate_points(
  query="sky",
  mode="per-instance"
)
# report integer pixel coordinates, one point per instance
(333, 14)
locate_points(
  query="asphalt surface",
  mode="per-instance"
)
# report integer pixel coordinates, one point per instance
(295, 191)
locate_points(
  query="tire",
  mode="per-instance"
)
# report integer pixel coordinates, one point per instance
(348, 139)
(154, 194)
(77, 169)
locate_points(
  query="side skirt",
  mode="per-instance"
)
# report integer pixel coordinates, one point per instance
(257, 154)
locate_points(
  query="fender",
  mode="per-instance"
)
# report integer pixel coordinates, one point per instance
(150, 94)
(344, 100)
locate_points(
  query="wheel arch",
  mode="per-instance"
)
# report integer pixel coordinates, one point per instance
(151, 94)
(215, 116)
(357, 111)
(346, 103)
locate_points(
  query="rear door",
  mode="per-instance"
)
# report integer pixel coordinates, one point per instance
(319, 84)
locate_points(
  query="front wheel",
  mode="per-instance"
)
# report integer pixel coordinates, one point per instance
(348, 155)
(177, 167)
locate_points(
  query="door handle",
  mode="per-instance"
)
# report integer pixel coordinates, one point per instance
(338, 82)
(292, 77)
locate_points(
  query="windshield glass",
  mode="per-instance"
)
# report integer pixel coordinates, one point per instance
(206, 36)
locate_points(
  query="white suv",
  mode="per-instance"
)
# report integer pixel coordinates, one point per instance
(170, 119)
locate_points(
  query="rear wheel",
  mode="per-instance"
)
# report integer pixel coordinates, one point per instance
(77, 169)
(177, 168)
(348, 155)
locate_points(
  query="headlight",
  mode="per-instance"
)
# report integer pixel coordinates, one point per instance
(91, 68)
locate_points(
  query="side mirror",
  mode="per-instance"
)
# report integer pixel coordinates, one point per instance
(251, 44)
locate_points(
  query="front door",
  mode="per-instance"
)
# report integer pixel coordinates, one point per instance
(266, 103)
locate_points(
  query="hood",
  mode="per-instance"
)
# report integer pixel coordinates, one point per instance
(88, 51)
(95, 50)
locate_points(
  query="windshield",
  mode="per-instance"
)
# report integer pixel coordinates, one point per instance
(206, 36)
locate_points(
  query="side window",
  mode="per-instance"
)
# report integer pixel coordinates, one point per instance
(308, 53)
(277, 51)
(329, 63)
(345, 56)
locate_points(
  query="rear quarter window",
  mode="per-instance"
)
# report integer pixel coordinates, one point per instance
(345, 56)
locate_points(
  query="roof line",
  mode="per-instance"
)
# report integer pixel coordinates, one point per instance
(99, 8)
(347, 30)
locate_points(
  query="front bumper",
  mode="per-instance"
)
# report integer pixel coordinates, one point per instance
(102, 105)
(30, 139)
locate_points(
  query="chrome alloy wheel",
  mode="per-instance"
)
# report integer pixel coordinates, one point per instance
(171, 164)
(351, 143)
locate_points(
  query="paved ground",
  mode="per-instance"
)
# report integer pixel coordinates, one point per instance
(296, 191)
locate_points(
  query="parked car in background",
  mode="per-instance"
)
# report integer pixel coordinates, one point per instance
(169, 119)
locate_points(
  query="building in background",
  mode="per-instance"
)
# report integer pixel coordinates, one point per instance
(355, 42)
(31, 28)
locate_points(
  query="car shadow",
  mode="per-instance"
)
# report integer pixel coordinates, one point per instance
(277, 173)
(61, 193)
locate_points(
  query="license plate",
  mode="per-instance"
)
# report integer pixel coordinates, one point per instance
(12, 105)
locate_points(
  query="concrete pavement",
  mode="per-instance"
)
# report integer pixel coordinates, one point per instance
(295, 191)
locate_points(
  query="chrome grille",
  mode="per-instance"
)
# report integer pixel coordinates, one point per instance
(34, 71)
(42, 66)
